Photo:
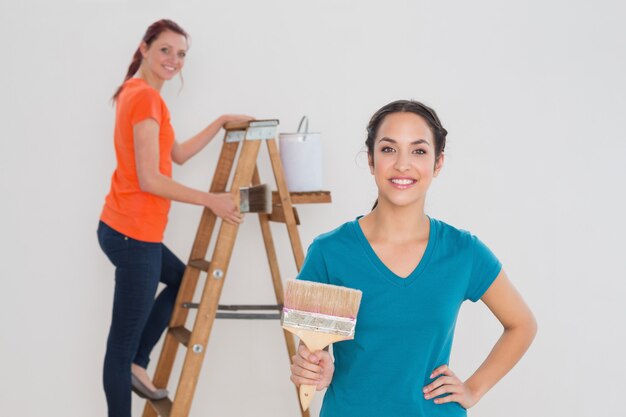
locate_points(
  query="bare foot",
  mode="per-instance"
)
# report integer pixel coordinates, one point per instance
(142, 375)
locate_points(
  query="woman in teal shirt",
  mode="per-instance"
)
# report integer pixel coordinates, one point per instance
(414, 272)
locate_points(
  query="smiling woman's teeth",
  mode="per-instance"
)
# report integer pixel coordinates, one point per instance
(402, 181)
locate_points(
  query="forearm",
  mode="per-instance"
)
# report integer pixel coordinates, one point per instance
(505, 354)
(165, 187)
(196, 143)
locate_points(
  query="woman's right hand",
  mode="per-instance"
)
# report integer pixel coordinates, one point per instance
(312, 368)
(224, 207)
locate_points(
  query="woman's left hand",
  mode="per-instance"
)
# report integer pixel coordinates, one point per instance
(448, 383)
(226, 118)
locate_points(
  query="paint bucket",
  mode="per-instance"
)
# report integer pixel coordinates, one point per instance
(301, 155)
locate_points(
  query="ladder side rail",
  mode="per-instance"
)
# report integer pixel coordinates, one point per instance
(218, 185)
(191, 275)
(277, 282)
(285, 201)
(203, 235)
(215, 281)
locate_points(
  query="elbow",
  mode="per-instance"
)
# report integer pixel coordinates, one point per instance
(147, 183)
(527, 327)
(530, 329)
(178, 157)
(533, 326)
(530, 323)
(178, 160)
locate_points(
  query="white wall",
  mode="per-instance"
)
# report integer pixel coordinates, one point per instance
(532, 93)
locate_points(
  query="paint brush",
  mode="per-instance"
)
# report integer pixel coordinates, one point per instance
(255, 199)
(319, 314)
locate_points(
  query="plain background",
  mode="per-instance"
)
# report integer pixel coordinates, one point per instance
(532, 93)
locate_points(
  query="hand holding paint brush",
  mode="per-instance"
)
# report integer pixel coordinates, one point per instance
(310, 368)
(319, 314)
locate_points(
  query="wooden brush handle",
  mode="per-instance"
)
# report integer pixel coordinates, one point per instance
(306, 395)
(314, 341)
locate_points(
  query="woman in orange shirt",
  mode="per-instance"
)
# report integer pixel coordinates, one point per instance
(135, 213)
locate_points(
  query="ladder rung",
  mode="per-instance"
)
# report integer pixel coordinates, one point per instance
(310, 197)
(240, 316)
(163, 407)
(278, 215)
(248, 316)
(181, 334)
(200, 264)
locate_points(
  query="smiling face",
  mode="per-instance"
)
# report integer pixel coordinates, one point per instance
(403, 161)
(165, 56)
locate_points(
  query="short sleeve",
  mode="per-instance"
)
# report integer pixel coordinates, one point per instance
(314, 267)
(146, 105)
(485, 269)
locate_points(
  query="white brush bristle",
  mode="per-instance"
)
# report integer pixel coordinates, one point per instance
(314, 297)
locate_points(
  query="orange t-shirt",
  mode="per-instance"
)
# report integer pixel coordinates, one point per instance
(127, 209)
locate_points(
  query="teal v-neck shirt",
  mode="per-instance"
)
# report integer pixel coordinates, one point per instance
(405, 326)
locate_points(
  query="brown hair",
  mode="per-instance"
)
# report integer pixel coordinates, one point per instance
(153, 32)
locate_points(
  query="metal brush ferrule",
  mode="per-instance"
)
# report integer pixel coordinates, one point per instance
(244, 199)
(316, 322)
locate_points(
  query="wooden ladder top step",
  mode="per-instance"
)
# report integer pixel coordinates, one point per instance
(230, 126)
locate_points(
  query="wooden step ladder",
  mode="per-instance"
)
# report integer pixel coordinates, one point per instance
(249, 135)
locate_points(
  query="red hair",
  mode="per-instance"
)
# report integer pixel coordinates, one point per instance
(151, 34)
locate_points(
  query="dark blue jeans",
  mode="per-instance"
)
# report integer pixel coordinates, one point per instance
(138, 318)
